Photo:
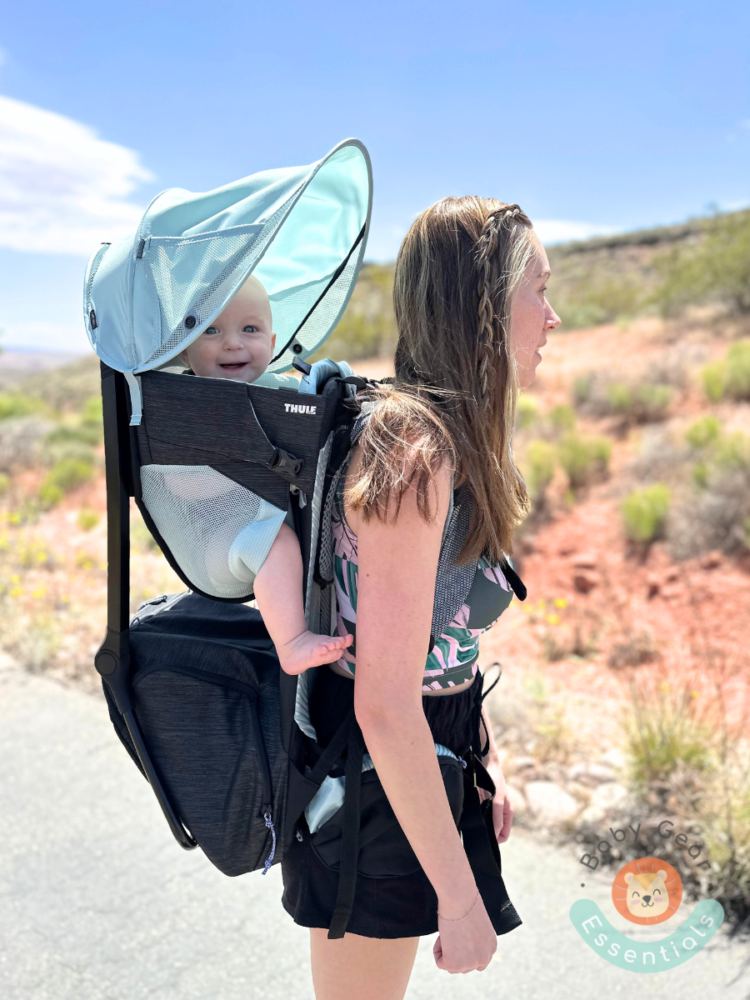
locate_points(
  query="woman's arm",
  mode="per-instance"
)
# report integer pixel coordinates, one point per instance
(502, 810)
(396, 583)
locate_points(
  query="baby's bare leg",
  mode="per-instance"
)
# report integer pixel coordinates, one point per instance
(278, 590)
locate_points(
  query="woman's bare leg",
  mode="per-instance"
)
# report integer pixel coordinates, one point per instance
(360, 968)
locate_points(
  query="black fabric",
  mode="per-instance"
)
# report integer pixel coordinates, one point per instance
(205, 688)
(403, 905)
(220, 422)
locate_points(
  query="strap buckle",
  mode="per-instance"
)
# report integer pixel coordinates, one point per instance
(285, 465)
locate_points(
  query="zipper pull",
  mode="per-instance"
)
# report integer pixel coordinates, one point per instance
(270, 826)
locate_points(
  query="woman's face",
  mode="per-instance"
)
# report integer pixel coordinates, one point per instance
(531, 315)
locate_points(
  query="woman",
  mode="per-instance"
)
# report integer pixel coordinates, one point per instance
(470, 303)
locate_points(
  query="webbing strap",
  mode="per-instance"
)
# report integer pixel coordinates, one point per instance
(350, 834)
(333, 751)
(480, 844)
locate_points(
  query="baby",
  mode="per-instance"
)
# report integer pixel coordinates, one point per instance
(239, 345)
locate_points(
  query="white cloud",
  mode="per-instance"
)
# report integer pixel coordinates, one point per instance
(561, 230)
(62, 188)
(44, 336)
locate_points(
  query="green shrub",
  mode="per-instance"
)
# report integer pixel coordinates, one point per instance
(737, 367)
(619, 396)
(562, 417)
(87, 519)
(641, 403)
(4, 484)
(700, 475)
(582, 386)
(86, 434)
(644, 512)
(717, 268)
(733, 451)
(66, 475)
(92, 414)
(703, 431)
(50, 495)
(583, 458)
(541, 459)
(714, 379)
(527, 412)
(16, 405)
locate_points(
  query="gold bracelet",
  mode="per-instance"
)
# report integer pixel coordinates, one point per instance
(465, 914)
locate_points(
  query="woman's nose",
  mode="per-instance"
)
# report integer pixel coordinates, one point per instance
(553, 320)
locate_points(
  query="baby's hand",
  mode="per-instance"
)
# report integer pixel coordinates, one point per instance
(311, 650)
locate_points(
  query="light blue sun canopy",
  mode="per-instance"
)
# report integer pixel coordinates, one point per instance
(301, 231)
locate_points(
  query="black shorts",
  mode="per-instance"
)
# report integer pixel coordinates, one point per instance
(385, 906)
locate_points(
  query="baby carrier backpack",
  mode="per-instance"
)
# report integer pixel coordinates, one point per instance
(215, 466)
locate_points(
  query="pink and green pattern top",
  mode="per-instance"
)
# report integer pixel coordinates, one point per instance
(453, 658)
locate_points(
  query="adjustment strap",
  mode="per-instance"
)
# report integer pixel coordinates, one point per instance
(333, 751)
(350, 834)
(480, 844)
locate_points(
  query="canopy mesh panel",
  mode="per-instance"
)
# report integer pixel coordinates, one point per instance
(175, 270)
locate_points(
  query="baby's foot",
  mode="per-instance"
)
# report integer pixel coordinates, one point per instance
(311, 650)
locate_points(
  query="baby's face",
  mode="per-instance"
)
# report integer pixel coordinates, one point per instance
(239, 344)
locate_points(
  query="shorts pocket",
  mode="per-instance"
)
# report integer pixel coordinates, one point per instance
(384, 850)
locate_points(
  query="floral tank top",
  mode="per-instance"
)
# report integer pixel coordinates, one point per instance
(453, 658)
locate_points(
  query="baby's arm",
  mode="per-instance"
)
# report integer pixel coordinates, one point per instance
(278, 591)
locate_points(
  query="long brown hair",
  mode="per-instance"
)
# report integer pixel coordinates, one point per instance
(456, 384)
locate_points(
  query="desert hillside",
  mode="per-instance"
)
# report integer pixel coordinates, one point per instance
(625, 685)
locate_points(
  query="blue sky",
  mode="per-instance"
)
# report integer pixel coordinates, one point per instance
(593, 116)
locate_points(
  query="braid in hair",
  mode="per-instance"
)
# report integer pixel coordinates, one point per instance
(490, 328)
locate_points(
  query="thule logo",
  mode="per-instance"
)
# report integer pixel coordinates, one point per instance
(299, 408)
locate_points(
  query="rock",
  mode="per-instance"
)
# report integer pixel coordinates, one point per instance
(519, 763)
(550, 804)
(592, 815)
(671, 575)
(517, 801)
(566, 550)
(609, 796)
(591, 774)
(653, 585)
(586, 560)
(614, 757)
(579, 792)
(584, 581)
(672, 591)
(712, 559)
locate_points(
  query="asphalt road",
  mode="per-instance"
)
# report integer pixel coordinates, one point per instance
(97, 902)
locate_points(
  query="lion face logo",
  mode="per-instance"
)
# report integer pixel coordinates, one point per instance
(647, 891)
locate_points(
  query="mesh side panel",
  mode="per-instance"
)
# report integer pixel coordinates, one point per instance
(453, 582)
(218, 532)
(312, 607)
(237, 253)
(92, 272)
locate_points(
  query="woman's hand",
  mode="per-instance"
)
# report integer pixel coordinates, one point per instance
(502, 810)
(467, 942)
